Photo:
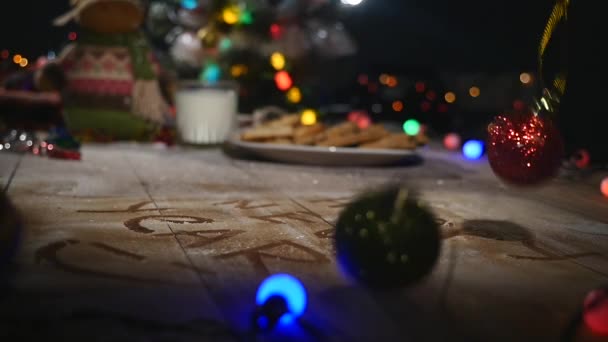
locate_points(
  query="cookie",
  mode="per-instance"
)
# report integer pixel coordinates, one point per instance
(291, 120)
(342, 129)
(373, 133)
(421, 139)
(393, 141)
(308, 135)
(267, 133)
(280, 141)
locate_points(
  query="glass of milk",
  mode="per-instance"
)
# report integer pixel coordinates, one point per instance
(206, 113)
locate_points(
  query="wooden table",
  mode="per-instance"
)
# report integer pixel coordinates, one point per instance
(137, 240)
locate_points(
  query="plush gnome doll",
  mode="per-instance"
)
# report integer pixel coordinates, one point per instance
(113, 91)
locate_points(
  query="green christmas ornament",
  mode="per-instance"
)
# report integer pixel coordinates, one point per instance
(387, 239)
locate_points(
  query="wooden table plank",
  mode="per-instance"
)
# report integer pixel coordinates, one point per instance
(260, 232)
(9, 162)
(514, 265)
(479, 213)
(84, 237)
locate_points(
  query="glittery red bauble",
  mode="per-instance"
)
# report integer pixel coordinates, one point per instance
(524, 149)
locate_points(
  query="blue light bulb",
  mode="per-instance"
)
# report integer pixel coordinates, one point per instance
(473, 149)
(225, 44)
(189, 4)
(288, 287)
(212, 73)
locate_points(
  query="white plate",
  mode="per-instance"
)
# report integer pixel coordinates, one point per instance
(326, 156)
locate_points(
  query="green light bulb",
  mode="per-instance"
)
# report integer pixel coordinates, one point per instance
(246, 18)
(411, 127)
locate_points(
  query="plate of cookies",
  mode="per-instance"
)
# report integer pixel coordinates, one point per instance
(285, 139)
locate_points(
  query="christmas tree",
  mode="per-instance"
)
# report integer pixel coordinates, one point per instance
(288, 53)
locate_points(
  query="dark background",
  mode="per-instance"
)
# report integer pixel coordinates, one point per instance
(470, 35)
(397, 36)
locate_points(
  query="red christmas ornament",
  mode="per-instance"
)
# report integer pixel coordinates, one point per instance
(595, 312)
(524, 149)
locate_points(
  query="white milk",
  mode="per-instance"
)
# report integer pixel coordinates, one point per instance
(206, 114)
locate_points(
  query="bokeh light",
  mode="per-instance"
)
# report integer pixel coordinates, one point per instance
(287, 287)
(377, 108)
(238, 70)
(363, 121)
(474, 91)
(276, 31)
(384, 79)
(372, 87)
(425, 106)
(72, 36)
(211, 73)
(277, 60)
(397, 106)
(17, 59)
(354, 115)
(581, 158)
(525, 78)
(308, 117)
(351, 2)
(283, 80)
(189, 4)
(246, 18)
(360, 118)
(452, 141)
(473, 149)
(519, 105)
(294, 95)
(392, 82)
(450, 97)
(41, 62)
(225, 44)
(24, 62)
(363, 79)
(604, 187)
(411, 127)
(231, 15)
(420, 87)
(4, 54)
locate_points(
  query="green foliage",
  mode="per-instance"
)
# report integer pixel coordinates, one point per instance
(115, 125)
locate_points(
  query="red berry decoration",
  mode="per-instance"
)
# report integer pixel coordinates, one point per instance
(524, 149)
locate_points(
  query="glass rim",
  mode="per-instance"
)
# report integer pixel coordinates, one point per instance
(196, 85)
